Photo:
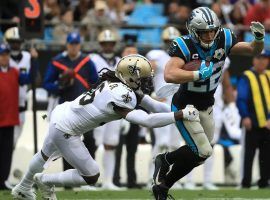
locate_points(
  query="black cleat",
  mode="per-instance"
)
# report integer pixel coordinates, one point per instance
(161, 192)
(162, 167)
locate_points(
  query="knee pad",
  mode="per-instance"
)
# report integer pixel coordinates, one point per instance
(205, 151)
(91, 180)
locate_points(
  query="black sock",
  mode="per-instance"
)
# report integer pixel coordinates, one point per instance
(178, 154)
(183, 160)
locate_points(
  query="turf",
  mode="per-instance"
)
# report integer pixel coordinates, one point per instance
(145, 194)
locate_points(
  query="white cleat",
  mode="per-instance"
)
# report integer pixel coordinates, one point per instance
(210, 186)
(111, 186)
(21, 193)
(47, 192)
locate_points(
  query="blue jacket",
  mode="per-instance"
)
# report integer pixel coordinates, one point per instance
(51, 80)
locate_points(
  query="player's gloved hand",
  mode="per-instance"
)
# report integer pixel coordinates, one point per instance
(191, 113)
(257, 30)
(204, 71)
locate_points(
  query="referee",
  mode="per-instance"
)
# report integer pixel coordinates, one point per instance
(253, 102)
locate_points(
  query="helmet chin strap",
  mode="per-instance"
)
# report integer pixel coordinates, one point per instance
(206, 46)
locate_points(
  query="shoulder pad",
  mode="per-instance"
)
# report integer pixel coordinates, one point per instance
(122, 95)
(181, 43)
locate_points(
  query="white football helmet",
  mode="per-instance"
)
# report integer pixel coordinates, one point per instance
(170, 33)
(107, 36)
(12, 34)
(203, 19)
(134, 70)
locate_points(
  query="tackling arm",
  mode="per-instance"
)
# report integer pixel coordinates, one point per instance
(153, 105)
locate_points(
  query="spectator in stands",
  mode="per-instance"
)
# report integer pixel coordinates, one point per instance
(259, 12)
(69, 74)
(9, 10)
(82, 8)
(10, 79)
(97, 18)
(253, 102)
(129, 136)
(52, 11)
(178, 14)
(66, 26)
(116, 11)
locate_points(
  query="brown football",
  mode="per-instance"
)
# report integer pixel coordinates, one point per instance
(193, 65)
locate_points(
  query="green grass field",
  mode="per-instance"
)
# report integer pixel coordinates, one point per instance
(145, 194)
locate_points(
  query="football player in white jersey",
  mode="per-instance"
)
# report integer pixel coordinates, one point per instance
(22, 61)
(158, 59)
(116, 97)
(109, 134)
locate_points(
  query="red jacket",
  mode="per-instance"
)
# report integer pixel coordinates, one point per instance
(258, 12)
(9, 95)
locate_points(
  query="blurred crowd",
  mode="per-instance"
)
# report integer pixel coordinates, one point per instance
(89, 17)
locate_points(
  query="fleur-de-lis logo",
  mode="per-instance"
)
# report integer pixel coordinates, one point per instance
(126, 98)
(133, 68)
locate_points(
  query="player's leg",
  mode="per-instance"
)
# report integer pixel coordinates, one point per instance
(110, 141)
(86, 170)
(197, 150)
(24, 189)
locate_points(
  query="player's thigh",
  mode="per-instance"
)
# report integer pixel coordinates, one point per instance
(76, 154)
(195, 137)
(48, 147)
(217, 115)
(207, 122)
(112, 133)
(162, 136)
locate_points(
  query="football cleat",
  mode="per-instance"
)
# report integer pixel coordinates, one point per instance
(47, 192)
(21, 193)
(162, 167)
(160, 192)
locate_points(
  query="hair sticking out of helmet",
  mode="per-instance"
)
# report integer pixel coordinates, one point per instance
(132, 69)
(204, 26)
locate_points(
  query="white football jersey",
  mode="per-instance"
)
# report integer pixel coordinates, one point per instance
(160, 57)
(23, 65)
(93, 108)
(100, 62)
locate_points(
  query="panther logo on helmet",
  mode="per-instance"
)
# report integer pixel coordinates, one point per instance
(133, 69)
(203, 19)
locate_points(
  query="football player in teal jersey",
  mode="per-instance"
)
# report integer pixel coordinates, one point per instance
(209, 42)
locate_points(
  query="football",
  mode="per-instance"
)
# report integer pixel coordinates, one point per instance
(193, 65)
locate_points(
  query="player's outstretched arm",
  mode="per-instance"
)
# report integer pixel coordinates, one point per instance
(155, 120)
(251, 48)
(153, 105)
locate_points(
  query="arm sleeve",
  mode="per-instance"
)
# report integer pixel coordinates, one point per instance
(93, 72)
(50, 82)
(153, 105)
(27, 78)
(242, 97)
(154, 120)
